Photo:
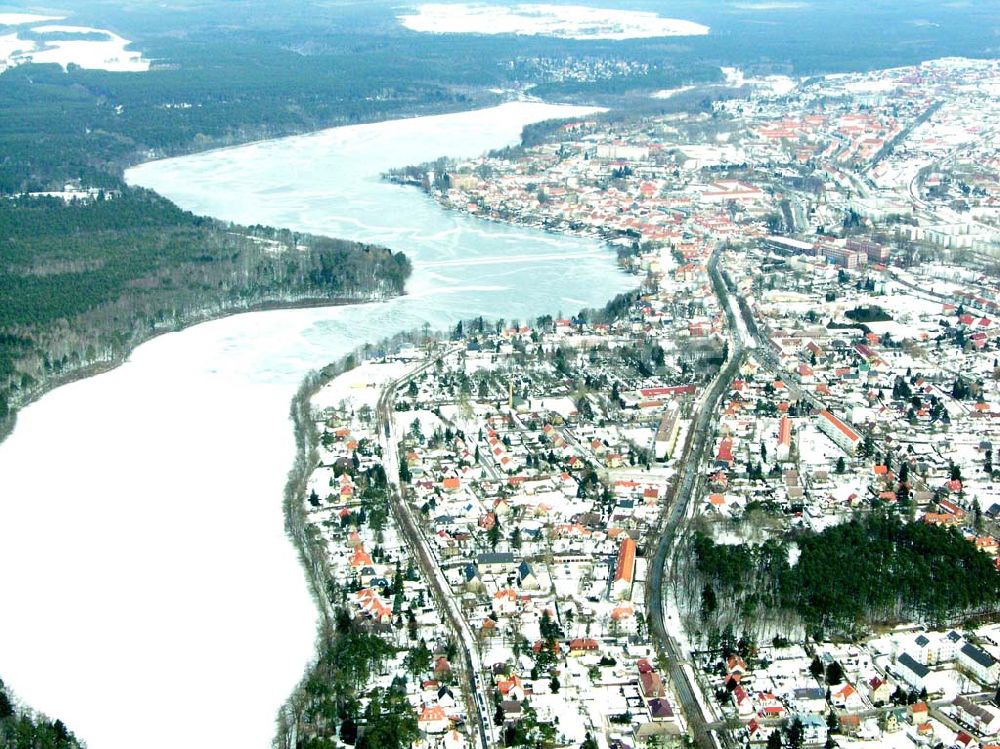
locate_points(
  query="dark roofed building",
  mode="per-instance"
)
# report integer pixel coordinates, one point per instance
(660, 709)
(979, 663)
(496, 562)
(913, 673)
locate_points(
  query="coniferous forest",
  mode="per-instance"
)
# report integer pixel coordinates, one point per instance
(82, 284)
(874, 569)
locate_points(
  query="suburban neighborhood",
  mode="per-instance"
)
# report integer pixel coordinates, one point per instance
(752, 502)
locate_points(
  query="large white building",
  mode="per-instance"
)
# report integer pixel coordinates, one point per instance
(932, 648)
(622, 152)
(979, 663)
(845, 437)
(913, 673)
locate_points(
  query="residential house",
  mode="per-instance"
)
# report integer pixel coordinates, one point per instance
(511, 689)
(433, 720)
(471, 579)
(758, 733)
(913, 673)
(813, 729)
(809, 700)
(893, 720)
(496, 563)
(651, 686)
(879, 690)
(526, 577)
(846, 697)
(919, 713)
(964, 740)
(583, 646)
(984, 719)
(844, 436)
(621, 587)
(744, 705)
(660, 710)
(850, 725)
(512, 711)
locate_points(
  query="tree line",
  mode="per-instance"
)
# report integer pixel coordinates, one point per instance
(23, 729)
(82, 283)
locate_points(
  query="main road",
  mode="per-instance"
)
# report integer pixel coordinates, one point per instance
(684, 488)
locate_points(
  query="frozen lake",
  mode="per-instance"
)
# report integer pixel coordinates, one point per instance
(151, 596)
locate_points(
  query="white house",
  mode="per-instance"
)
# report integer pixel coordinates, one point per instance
(433, 719)
(843, 436)
(847, 698)
(979, 663)
(813, 729)
(913, 673)
(984, 719)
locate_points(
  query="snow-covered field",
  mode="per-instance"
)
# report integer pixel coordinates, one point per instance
(777, 85)
(666, 93)
(539, 19)
(93, 48)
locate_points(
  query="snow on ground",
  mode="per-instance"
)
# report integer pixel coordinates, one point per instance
(359, 386)
(673, 623)
(563, 21)
(105, 53)
(666, 93)
(18, 19)
(815, 448)
(10, 45)
(749, 341)
(571, 723)
(429, 422)
(778, 85)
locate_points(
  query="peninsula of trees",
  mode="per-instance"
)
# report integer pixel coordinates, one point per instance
(84, 283)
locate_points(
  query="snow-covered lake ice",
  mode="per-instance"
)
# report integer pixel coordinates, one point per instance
(151, 597)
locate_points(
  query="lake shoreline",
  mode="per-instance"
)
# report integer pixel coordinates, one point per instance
(196, 149)
(9, 423)
(252, 372)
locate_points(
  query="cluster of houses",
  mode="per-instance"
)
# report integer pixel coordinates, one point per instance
(868, 691)
(539, 456)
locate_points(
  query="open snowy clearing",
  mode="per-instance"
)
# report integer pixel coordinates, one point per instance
(96, 49)
(666, 93)
(563, 21)
(776, 85)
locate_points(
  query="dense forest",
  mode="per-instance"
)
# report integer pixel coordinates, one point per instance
(83, 283)
(22, 729)
(873, 569)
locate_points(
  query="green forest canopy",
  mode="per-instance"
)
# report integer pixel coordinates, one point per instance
(874, 568)
(85, 282)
